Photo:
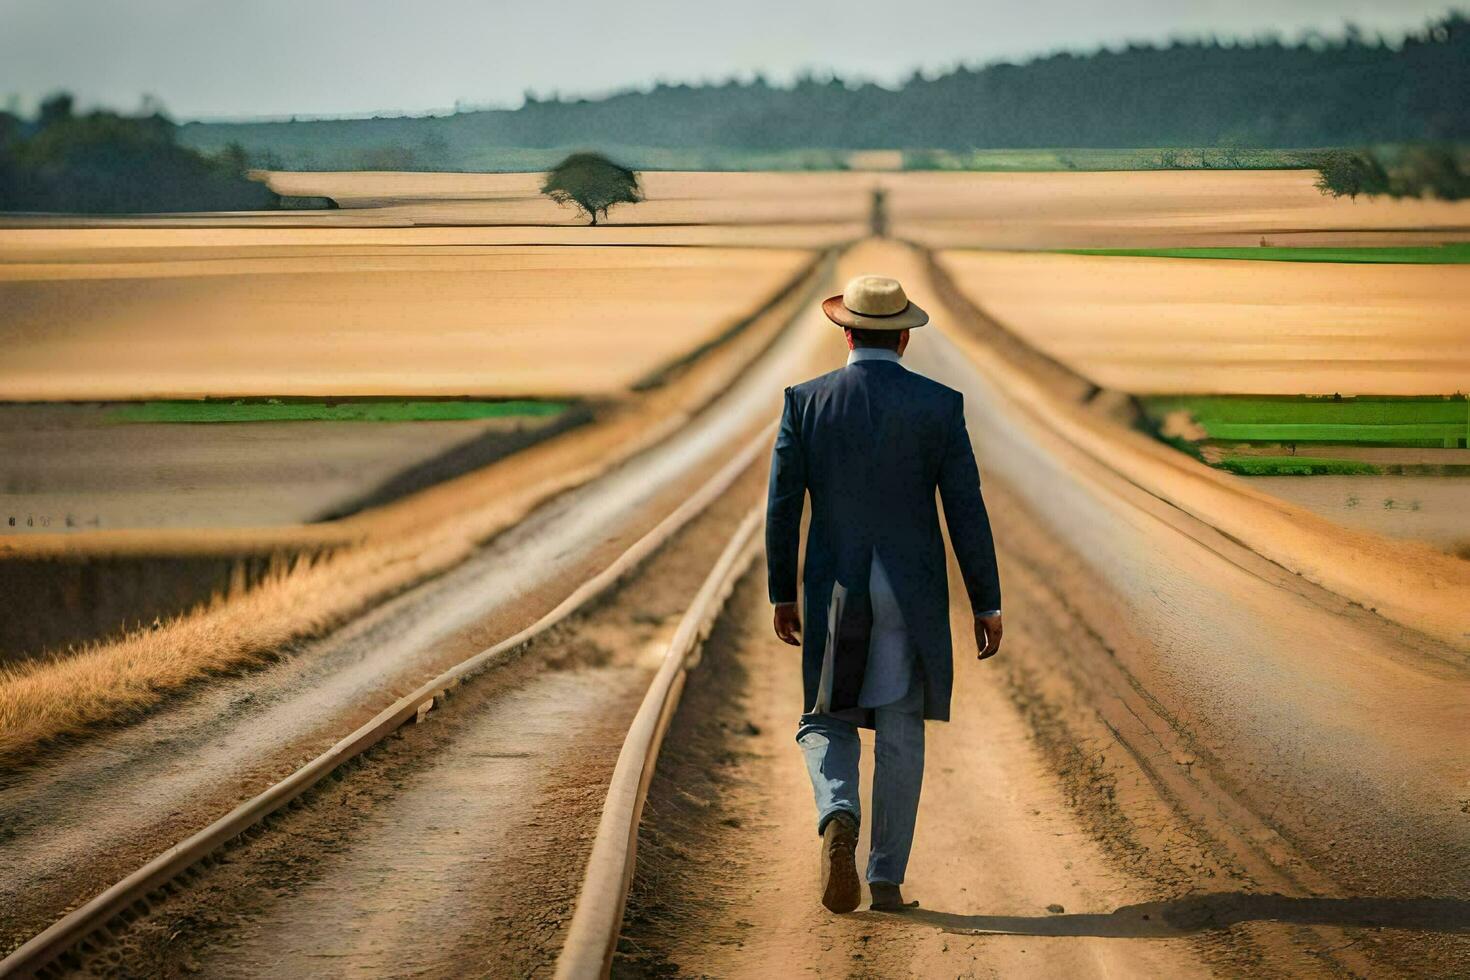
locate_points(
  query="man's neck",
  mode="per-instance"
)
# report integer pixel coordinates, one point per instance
(872, 354)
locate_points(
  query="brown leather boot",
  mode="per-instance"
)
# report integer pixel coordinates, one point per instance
(888, 897)
(840, 889)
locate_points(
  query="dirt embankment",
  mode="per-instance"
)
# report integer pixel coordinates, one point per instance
(74, 471)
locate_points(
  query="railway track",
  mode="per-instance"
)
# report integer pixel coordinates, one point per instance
(89, 938)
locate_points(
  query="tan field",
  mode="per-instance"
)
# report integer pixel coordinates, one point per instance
(29, 239)
(1010, 210)
(940, 210)
(1205, 326)
(671, 198)
(1155, 209)
(485, 321)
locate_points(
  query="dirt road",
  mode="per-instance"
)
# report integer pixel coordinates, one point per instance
(729, 862)
(1177, 735)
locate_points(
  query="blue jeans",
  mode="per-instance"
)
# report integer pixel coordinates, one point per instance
(832, 749)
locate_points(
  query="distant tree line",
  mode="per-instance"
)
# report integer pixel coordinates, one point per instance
(102, 162)
(1264, 92)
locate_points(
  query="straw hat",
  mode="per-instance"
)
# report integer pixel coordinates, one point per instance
(874, 303)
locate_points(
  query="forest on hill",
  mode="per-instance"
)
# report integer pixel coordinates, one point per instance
(1264, 92)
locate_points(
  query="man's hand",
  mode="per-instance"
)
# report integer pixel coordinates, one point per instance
(788, 623)
(988, 631)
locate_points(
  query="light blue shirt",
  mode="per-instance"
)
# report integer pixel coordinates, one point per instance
(890, 670)
(890, 673)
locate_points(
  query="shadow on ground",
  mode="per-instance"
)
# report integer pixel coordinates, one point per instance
(1199, 913)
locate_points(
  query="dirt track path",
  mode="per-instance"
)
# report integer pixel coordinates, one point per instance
(732, 889)
(1272, 773)
(1042, 849)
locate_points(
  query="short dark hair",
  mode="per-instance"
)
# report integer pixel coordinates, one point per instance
(887, 339)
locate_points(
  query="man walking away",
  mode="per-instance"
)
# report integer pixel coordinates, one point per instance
(871, 443)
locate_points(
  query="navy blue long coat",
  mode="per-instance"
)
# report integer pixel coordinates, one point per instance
(871, 443)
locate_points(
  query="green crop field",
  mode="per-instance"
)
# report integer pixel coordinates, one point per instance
(1455, 253)
(1386, 421)
(307, 410)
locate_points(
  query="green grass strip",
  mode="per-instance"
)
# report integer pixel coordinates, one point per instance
(1295, 466)
(274, 410)
(1401, 421)
(1457, 253)
(1386, 434)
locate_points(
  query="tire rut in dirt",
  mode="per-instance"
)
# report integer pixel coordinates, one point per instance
(698, 812)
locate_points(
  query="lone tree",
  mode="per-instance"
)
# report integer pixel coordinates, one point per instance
(593, 183)
(1343, 173)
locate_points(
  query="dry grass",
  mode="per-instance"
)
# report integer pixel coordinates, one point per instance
(47, 700)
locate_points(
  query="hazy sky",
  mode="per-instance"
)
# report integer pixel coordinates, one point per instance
(211, 58)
